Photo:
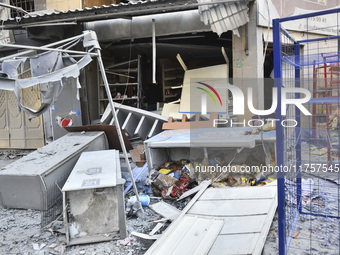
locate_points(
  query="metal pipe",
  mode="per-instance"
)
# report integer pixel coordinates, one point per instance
(247, 39)
(119, 131)
(153, 51)
(52, 24)
(47, 49)
(14, 8)
(48, 45)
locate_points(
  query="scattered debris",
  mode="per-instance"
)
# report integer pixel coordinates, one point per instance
(145, 199)
(318, 152)
(156, 228)
(162, 182)
(11, 156)
(165, 210)
(188, 193)
(177, 189)
(139, 174)
(215, 217)
(307, 186)
(295, 234)
(195, 123)
(125, 241)
(138, 155)
(145, 236)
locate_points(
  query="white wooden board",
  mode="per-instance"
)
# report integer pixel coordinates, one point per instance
(191, 96)
(170, 109)
(231, 207)
(234, 244)
(246, 223)
(241, 224)
(194, 235)
(239, 193)
(94, 169)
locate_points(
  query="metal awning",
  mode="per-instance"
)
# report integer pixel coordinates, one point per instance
(224, 16)
(113, 11)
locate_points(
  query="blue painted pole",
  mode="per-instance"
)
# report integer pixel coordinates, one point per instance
(298, 130)
(279, 137)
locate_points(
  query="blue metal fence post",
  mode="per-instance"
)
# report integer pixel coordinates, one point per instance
(279, 137)
(298, 130)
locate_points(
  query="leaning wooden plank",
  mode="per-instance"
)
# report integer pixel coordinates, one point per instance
(166, 210)
(231, 207)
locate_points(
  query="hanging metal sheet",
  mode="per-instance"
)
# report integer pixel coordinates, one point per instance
(225, 16)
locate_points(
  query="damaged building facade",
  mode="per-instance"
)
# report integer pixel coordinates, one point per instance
(138, 77)
(147, 48)
(96, 77)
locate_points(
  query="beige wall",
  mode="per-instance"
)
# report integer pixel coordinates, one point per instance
(249, 65)
(63, 5)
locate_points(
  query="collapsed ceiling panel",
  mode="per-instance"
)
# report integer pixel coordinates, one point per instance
(223, 17)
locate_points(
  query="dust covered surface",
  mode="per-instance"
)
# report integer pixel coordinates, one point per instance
(21, 233)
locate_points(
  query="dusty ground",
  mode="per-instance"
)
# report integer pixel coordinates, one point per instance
(21, 233)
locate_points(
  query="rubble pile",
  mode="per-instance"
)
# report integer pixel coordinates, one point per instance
(21, 233)
(174, 178)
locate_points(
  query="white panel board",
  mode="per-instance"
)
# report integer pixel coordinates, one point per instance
(231, 207)
(239, 193)
(193, 235)
(234, 244)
